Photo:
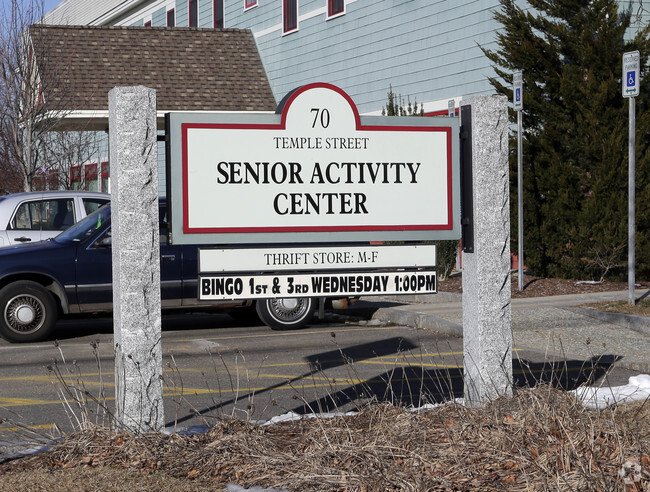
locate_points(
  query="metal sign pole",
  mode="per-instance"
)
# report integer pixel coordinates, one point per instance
(630, 87)
(631, 216)
(518, 104)
(520, 204)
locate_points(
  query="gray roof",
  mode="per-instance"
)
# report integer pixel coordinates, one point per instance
(191, 69)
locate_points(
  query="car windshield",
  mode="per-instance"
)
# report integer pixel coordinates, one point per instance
(86, 227)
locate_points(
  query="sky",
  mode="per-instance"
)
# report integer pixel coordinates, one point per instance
(50, 4)
(47, 6)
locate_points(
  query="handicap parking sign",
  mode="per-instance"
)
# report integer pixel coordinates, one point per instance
(518, 84)
(631, 66)
(631, 78)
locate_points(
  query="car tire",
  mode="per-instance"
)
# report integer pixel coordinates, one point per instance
(28, 312)
(287, 313)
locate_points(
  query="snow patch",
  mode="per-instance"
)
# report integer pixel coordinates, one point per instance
(637, 389)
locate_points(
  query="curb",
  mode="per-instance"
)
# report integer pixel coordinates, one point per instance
(406, 317)
(640, 324)
(440, 297)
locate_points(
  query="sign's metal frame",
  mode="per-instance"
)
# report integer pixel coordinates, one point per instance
(178, 125)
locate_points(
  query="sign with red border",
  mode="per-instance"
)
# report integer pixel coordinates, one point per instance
(314, 171)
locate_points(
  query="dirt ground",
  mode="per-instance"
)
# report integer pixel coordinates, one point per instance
(541, 287)
(541, 439)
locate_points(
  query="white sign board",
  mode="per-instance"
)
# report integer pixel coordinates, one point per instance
(518, 88)
(222, 287)
(630, 78)
(315, 258)
(315, 172)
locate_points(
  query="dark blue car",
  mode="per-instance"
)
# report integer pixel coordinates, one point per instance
(72, 274)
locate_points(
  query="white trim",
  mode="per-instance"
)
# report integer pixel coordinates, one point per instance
(246, 9)
(224, 14)
(284, 33)
(314, 13)
(338, 14)
(109, 17)
(169, 9)
(102, 114)
(198, 15)
(335, 16)
(429, 107)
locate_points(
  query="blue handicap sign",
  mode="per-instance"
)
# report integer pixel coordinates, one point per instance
(630, 79)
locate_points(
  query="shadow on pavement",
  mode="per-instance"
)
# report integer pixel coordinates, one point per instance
(415, 386)
(359, 353)
(410, 385)
(319, 362)
(76, 326)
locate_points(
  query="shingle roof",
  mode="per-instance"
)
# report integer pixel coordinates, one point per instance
(191, 69)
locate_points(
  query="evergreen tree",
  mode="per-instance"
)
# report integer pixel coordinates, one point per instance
(445, 250)
(575, 134)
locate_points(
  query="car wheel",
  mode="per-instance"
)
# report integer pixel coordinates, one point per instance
(286, 314)
(28, 312)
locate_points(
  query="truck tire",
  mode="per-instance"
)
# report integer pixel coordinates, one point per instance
(28, 312)
(286, 314)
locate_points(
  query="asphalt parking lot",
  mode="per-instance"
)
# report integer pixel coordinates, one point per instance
(214, 367)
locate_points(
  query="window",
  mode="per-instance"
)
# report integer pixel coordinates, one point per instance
(218, 13)
(147, 24)
(170, 18)
(194, 13)
(92, 204)
(290, 15)
(95, 177)
(75, 177)
(335, 7)
(46, 180)
(50, 215)
(90, 177)
(105, 178)
(250, 4)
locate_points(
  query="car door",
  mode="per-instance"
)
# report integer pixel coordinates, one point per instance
(94, 267)
(95, 274)
(36, 220)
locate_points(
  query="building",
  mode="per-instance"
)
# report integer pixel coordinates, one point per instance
(427, 51)
(98, 58)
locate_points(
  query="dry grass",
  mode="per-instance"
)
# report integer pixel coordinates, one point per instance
(541, 439)
(641, 308)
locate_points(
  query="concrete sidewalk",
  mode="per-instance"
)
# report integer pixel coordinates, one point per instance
(556, 326)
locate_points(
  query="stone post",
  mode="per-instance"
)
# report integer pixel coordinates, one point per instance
(487, 334)
(136, 258)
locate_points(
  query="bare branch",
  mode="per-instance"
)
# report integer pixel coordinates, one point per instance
(34, 99)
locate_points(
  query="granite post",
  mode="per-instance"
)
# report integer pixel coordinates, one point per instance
(487, 334)
(136, 258)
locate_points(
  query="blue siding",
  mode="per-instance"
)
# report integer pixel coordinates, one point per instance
(159, 17)
(428, 50)
(424, 49)
(182, 11)
(206, 18)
